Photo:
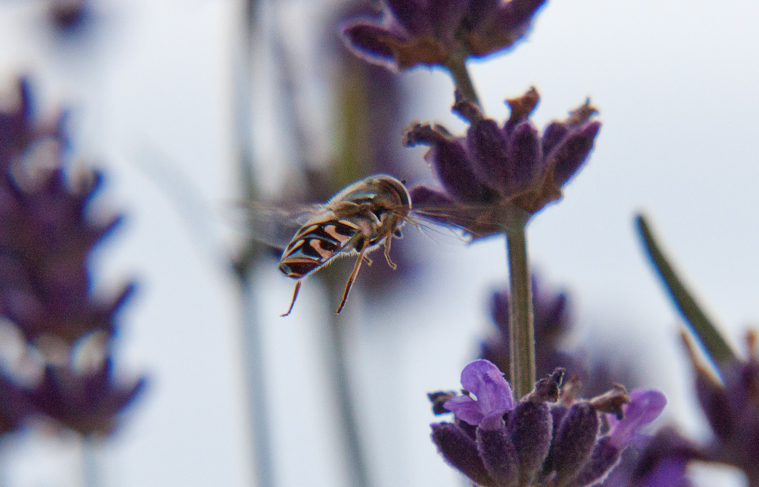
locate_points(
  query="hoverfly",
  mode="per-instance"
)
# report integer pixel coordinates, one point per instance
(359, 219)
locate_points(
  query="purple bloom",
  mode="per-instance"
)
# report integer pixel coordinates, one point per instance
(501, 167)
(645, 406)
(493, 396)
(548, 437)
(732, 409)
(663, 461)
(15, 406)
(47, 235)
(84, 402)
(431, 32)
(68, 15)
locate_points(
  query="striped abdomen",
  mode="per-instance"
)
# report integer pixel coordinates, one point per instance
(315, 244)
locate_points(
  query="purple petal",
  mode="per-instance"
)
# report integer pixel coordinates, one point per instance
(669, 472)
(446, 16)
(569, 156)
(451, 162)
(645, 406)
(481, 11)
(411, 14)
(553, 134)
(465, 408)
(487, 145)
(515, 15)
(369, 41)
(485, 381)
(524, 156)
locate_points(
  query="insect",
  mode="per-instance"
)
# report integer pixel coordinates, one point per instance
(361, 218)
(358, 220)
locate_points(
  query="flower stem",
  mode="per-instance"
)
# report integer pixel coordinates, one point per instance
(521, 328)
(456, 64)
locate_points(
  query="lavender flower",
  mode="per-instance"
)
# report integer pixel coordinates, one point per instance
(15, 406)
(732, 409)
(413, 32)
(46, 237)
(498, 167)
(548, 437)
(68, 15)
(84, 402)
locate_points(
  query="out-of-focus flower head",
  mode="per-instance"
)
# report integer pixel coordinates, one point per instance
(509, 166)
(548, 437)
(15, 406)
(69, 15)
(431, 32)
(551, 322)
(732, 408)
(86, 402)
(47, 233)
(662, 462)
(597, 369)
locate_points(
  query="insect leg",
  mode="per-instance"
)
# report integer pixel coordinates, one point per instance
(349, 284)
(388, 240)
(295, 296)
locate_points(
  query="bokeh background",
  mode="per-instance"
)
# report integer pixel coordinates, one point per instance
(168, 96)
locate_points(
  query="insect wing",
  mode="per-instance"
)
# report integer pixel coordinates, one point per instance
(476, 220)
(275, 225)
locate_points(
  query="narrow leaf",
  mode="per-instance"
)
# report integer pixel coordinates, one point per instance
(698, 323)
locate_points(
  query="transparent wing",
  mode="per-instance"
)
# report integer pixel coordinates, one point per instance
(273, 224)
(475, 220)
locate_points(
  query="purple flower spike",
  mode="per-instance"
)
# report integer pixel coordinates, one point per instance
(493, 393)
(47, 236)
(548, 438)
(645, 406)
(430, 32)
(87, 403)
(509, 167)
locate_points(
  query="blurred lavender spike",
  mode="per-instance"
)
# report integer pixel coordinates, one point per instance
(703, 328)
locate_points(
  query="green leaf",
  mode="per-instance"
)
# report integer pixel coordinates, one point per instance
(716, 347)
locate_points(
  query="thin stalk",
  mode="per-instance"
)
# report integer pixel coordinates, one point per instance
(521, 327)
(255, 375)
(456, 64)
(338, 368)
(90, 470)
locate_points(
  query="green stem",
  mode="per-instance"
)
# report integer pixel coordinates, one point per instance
(521, 328)
(456, 64)
(698, 323)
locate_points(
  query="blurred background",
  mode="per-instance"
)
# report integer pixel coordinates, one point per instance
(190, 106)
